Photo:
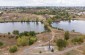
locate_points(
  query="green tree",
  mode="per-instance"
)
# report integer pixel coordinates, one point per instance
(9, 33)
(25, 33)
(61, 43)
(22, 41)
(49, 20)
(66, 35)
(32, 40)
(32, 33)
(16, 32)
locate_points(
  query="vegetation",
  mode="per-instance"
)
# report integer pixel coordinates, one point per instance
(1, 13)
(66, 35)
(9, 33)
(22, 41)
(1, 44)
(40, 51)
(52, 50)
(32, 40)
(26, 40)
(62, 14)
(46, 28)
(32, 33)
(49, 20)
(61, 43)
(13, 49)
(25, 33)
(16, 32)
(77, 40)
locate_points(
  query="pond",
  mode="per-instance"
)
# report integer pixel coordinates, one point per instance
(21, 27)
(77, 25)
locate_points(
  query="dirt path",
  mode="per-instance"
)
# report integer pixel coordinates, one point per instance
(64, 51)
(52, 38)
(26, 51)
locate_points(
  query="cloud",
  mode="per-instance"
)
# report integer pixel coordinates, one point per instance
(42, 2)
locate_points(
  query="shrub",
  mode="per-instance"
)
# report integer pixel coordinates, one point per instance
(66, 35)
(26, 33)
(46, 28)
(77, 40)
(40, 51)
(21, 34)
(16, 32)
(1, 44)
(49, 21)
(23, 41)
(32, 33)
(52, 50)
(13, 49)
(32, 40)
(61, 43)
(9, 33)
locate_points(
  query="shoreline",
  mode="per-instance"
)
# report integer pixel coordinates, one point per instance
(18, 21)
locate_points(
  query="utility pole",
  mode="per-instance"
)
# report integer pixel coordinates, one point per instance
(49, 45)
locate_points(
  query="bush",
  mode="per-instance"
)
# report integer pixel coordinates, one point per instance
(22, 34)
(52, 50)
(9, 33)
(61, 43)
(1, 44)
(16, 32)
(26, 33)
(32, 40)
(13, 49)
(23, 41)
(77, 40)
(32, 33)
(66, 35)
(40, 51)
(49, 21)
(46, 28)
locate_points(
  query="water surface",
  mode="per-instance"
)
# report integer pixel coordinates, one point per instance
(21, 26)
(77, 25)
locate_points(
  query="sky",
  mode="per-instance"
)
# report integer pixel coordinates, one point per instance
(42, 2)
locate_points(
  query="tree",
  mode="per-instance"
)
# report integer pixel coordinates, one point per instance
(26, 33)
(16, 32)
(23, 41)
(61, 43)
(49, 20)
(9, 33)
(66, 35)
(32, 33)
(32, 40)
